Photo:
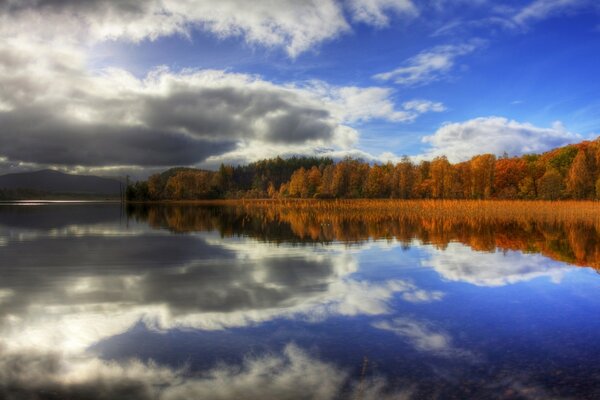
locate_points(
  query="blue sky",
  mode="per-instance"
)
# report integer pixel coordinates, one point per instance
(199, 83)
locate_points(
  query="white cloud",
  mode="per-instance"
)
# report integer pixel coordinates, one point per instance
(423, 106)
(423, 296)
(423, 336)
(461, 264)
(429, 65)
(375, 12)
(519, 18)
(295, 26)
(460, 141)
(442, 5)
(542, 9)
(290, 374)
(359, 104)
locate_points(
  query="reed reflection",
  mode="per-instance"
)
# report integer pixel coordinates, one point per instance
(572, 241)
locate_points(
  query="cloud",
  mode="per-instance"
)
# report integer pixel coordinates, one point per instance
(295, 26)
(514, 18)
(460, 141)
(443, 5)
(359, 104)
(459, 263)
(353, 105)
(542, 9)
(423, 336)
(61, 114)
(423, 106)
(429, 65)
(168, 281)
(374, 12)
(258, 151)
(49, 322)
(58, 113)
(287, 375)
(423, 296)
(290, 374)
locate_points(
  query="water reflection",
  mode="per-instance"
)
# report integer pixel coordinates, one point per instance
(497, 268)
(203, 302)
(574, 242)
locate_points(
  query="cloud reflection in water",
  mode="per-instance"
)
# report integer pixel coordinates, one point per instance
(69, 285)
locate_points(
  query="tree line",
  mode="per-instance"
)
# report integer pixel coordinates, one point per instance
(570, 172)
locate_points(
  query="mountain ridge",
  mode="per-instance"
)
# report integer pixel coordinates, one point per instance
(49, 181)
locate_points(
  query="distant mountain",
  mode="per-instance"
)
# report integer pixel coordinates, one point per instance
(54, 182)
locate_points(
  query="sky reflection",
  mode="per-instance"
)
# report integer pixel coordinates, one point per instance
(89, 299)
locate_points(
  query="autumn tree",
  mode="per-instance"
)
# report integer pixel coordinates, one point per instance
(550, 185)
(376, 184)
(422, 188)
(325, 190)
(358, 173)
(271, 191)
(508, 173)
(463, 180)
(313, 181)
(562, 159)
(284, 190)
(224, 178)
(339, 185)
(579, 179)
(155, 187)
(405, 171)
(298, 186)
(441, 178)
(482, 176)
(528, 186)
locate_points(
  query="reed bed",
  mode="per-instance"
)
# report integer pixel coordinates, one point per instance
(488, 210)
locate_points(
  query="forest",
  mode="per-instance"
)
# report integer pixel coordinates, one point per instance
(569, 172)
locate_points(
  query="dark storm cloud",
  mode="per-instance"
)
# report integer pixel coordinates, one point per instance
(121, 5)
(82, 9)
(235, 112)
(44, 139)
(300, 126)
(183, 128)
(54, 112)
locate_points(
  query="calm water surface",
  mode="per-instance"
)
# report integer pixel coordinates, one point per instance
(217, 303)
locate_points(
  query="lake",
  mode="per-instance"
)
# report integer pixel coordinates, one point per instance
(223, 302)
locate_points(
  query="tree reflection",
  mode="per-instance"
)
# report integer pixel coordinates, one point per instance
(573, 241)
